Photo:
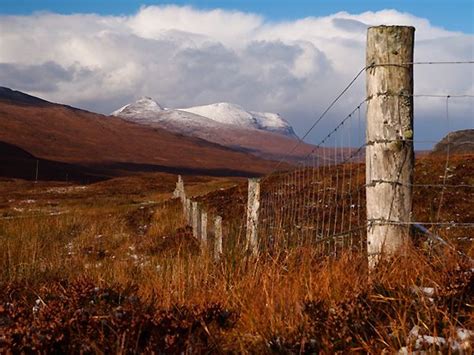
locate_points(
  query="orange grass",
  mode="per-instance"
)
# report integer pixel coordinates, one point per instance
(295, 300)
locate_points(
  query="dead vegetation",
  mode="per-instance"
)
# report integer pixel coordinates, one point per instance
(121, 272)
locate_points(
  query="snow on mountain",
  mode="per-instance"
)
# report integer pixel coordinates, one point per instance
(142, 110)
(263, 134)
(149, 112)
(220, 115)
(236, 115)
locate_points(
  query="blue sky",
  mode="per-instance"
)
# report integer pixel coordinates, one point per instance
(457, 15)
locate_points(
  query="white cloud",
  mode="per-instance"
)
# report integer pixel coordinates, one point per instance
(183, 56)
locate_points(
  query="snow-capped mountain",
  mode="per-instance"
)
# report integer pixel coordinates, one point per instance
(146, 110)
(236, 115)
(264, 134)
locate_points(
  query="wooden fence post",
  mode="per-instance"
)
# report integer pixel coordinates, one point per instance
(253, 204)
(181, 194)
(389, 150)
(188, 213)
(203, 230)
(218, 237)
(195, 219)
(179, 190)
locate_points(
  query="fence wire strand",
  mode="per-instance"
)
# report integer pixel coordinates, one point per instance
(321, 199)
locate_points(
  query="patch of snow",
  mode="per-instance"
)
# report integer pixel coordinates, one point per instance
(144, 108)
(461, 343)
(426, 291)
(428, 340)
(62, 190)
(228, 113)
(28, 202)
(188, 120)
(70, 248)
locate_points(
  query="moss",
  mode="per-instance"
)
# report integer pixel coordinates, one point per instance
(408, 134)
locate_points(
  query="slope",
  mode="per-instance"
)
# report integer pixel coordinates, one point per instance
(64, 134)
(224, 124)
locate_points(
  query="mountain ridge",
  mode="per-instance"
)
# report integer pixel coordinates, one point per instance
(266, 144)
(145, 108)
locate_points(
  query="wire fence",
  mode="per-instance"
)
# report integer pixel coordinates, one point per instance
(322, 201)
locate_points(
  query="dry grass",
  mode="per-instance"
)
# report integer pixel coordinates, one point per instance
(293, 301)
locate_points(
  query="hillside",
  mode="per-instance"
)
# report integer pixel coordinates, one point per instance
(266, 135)
(111, 145)
(458, 142)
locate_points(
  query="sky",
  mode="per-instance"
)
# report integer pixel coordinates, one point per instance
(454, 14)
(290, 57)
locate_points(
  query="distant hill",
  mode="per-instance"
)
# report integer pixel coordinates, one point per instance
(37, 129)
(18, 97)
(263, 134)
(18, 163)
(458, 141)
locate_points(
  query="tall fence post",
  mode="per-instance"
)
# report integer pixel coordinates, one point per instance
(179, 190)
(389, 150)
(218, 237)
(188, 213)
(181, 194)
(203, 230)
(253, 204)
(196, 219)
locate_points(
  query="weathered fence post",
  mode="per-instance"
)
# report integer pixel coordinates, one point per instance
(196, 219)
(181, 194)
(218, 237)
(203, 230)
(253, 204)
(188, 213)
(389, 150)
(179, 190)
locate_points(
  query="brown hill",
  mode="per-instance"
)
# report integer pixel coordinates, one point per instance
(109, 145)
(266, 145)
(249, 132)
(459, 142)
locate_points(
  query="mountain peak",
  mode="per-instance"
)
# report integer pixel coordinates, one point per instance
(228, 105)
(147, 99)
(145, 108)
(230, 113)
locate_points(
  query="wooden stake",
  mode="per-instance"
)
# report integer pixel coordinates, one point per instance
(188, 213)
(389, 151)
(253, 205)
(196, 220)
(203, 230)
(179, 191)
(218, 237)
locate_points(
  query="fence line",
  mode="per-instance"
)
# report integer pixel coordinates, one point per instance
(321, 200)
(198, 218)
(291, 209)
